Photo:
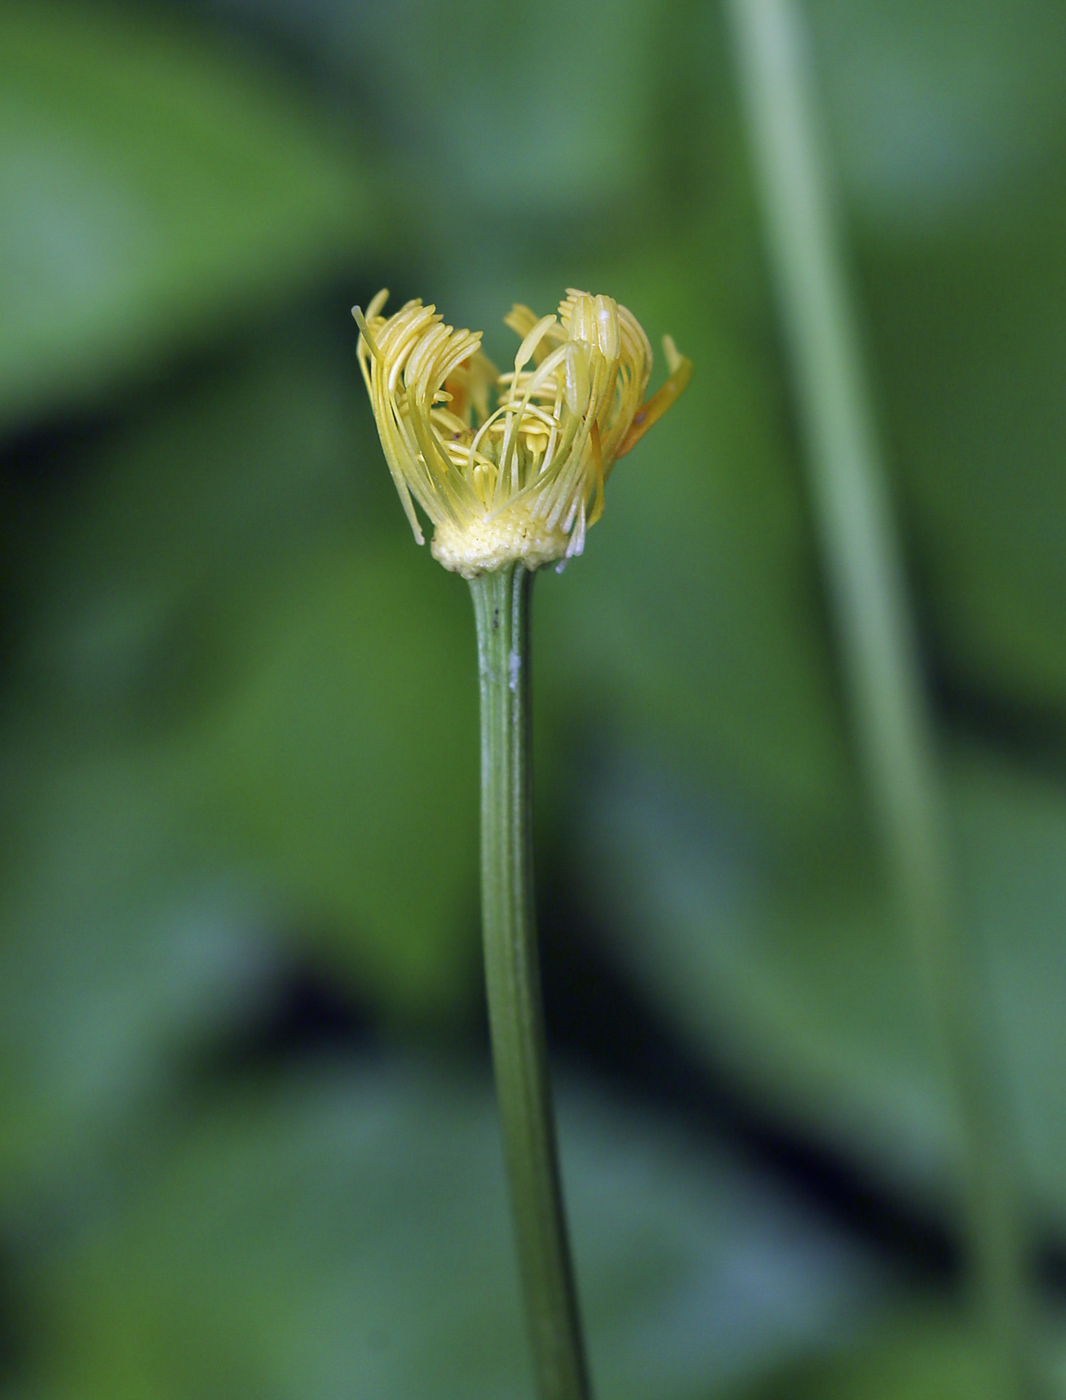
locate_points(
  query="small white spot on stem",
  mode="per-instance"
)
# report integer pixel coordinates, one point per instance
(514, 665)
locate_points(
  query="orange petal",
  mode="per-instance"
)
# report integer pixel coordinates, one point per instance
(653, 409)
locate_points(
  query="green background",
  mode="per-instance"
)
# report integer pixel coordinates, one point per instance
(247, 1145)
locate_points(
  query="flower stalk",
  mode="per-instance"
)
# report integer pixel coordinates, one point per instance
(510, 469)
(516, 1018)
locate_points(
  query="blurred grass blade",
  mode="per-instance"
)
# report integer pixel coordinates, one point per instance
(865, 577)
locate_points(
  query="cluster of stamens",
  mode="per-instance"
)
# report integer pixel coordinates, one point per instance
(522, 480)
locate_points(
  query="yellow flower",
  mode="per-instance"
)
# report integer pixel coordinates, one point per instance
(521, 481)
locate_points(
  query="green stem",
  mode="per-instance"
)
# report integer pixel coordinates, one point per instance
(865, 574)
(512, 978)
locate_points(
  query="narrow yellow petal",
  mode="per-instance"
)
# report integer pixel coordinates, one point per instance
(653, 409)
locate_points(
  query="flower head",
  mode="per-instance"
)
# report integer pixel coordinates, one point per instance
(521, 479)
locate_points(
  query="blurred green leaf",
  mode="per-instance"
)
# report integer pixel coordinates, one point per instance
(124, 947)
(784, 962)
(153, 188)
(348, 1233)
(941, 113)
(240, 719)
(453, 115)
(971, 340)
(935, 1355)
(343, 771)
(177, 527)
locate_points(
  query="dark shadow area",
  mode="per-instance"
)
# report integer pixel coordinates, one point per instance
(597, 1018)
